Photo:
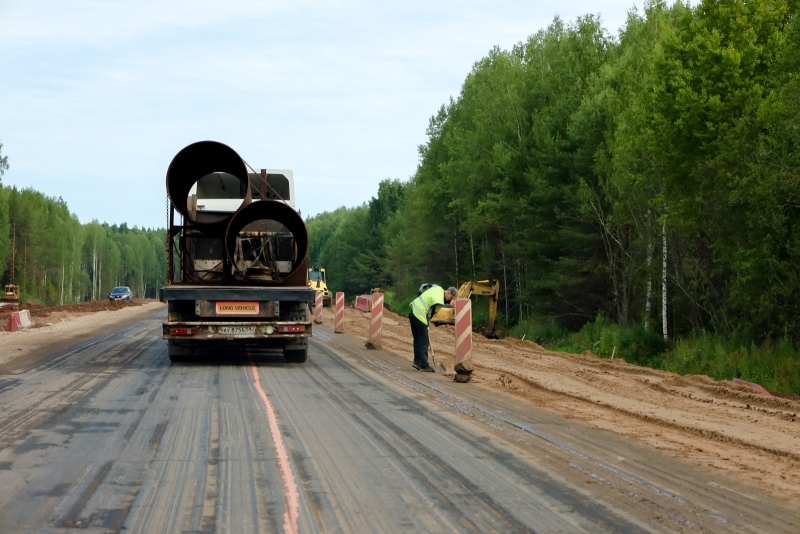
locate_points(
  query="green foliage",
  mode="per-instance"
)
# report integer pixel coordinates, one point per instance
(55, 259)
(578, 168)
(634, 344)
(542, 330)
(401, 306)
(773, 364)
(350, 243)
(3, 161)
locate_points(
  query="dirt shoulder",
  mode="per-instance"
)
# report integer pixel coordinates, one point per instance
(55, 325)
(716, 425)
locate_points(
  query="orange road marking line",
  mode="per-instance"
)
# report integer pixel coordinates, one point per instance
(291, 494)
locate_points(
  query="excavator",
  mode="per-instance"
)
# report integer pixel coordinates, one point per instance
(486, 288)
(319, 281)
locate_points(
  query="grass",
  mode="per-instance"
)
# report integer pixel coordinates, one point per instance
(25, 297)
(402, 306)
(774, 364)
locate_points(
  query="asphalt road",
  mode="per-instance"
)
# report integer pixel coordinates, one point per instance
(107, 436)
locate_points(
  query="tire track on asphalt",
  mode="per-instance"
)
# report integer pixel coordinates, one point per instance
(470, 493)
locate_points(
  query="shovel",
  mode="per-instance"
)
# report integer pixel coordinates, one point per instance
(438, 367)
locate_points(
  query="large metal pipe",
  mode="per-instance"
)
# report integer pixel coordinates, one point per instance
(193, 163)
(287, 219)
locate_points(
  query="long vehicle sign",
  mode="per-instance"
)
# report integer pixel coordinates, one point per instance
(237, 308)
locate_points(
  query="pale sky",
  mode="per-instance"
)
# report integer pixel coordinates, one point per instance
(97, 96)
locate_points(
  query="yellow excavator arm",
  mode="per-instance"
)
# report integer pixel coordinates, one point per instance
(486, 288)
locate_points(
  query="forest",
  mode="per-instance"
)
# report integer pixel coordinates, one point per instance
(55, 259)
(635, 193)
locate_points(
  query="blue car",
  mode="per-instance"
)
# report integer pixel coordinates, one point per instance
(121, 293)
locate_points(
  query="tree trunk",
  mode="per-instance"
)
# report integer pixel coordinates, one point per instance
(472, 250)
(664, 281)
(505, 283)
(649, 296)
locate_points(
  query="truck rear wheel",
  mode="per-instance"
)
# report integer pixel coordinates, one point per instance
(295, 356)
(179, 353)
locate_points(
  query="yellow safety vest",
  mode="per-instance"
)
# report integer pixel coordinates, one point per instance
(421, 305)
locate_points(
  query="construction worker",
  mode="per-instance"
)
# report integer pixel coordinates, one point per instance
(431, 297)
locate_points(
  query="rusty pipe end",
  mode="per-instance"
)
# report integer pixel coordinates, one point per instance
(194, 162)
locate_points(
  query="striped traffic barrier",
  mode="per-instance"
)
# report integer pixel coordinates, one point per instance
(318, 308)
(752, 385)
(376, 322)
(463, 365)
(20, 320)
(363, 303)
(339, 322)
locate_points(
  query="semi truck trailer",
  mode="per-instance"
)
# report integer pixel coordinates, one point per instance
(237, 254)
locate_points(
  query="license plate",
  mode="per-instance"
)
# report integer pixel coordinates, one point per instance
(237, 330)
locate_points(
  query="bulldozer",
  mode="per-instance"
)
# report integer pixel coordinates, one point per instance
(10, 296)
(319, 281)
(487, 288)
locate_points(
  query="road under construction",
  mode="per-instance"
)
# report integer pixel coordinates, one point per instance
(104, 434)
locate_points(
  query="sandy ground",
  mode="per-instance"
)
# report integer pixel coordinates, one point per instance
(713, 424)
(58, 324)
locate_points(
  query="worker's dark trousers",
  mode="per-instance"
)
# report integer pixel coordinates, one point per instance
(420, 332)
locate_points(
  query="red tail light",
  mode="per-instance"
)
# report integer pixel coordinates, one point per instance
(182, 331)
(292, 328)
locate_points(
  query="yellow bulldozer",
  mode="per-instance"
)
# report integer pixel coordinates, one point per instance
(319, 281)
(486, 288)
(10, 296)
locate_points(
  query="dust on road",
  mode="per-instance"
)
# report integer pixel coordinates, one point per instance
(60, 324)
(715, 425)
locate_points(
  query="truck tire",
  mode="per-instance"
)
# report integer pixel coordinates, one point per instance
(295, 356)
(179, 353)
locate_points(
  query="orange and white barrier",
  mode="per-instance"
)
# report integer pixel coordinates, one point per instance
(339, 322)
(376, 323)
(363, 303)
(463, 365)
(318, 308)
(20, 320)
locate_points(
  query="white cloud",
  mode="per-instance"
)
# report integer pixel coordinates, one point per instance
(98, 96)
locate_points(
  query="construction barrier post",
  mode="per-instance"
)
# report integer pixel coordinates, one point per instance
(318, 308)
(20, 320)
(364, 303)
(752, 385)
(339, 323)
(377, 322)
(463, 365)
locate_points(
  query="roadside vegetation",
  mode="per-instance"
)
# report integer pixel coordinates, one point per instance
(636, 193)
(57, 260)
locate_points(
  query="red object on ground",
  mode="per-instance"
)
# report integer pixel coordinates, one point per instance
(19, 321)
(318, 308)
(463, 336)
(363, 303)
(752, 385)
(376, 323)
(339, 322)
